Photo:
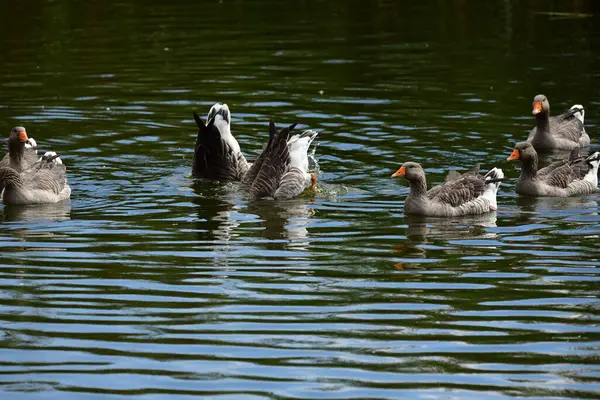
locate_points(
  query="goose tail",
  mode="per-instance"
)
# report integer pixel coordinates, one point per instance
(578, 112)
(492, 182)
(592, 176)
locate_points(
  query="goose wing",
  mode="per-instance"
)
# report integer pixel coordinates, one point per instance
(468, 187)
(567, 125)
(213, 157)
(274, 162)
(48, 174)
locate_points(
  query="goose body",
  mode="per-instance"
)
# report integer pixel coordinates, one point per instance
(43, 182)
(467, 194)
(22, 151)
(217, 153)
(281, 171)
(571, 177)
(561, 132)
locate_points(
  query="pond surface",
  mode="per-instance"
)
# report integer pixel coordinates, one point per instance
(150, 285)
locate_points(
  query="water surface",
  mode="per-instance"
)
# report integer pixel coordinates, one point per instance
(149, 284)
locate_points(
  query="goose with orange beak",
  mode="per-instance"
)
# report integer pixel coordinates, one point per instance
(467, 194)
(22, 150)
(564, 178)
(561, 132)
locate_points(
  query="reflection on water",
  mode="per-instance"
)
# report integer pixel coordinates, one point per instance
(53, 212)
(151, 284)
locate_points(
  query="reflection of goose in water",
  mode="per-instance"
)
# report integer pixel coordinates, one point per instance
(215, 203)
(560, 206)
(466, 227)
(420, 229)
(54, 212)
(286, 219)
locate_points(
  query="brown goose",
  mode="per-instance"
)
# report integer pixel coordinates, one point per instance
(468, 194)
(22, 151)
(564, 178)
(561, 132)
(281, 171)
(217, 154)
(44, 182)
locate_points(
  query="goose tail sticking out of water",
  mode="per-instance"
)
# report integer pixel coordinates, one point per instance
(217, 154)
(281, 171)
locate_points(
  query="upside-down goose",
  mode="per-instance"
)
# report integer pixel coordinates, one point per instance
(564, 178)
(281, 171)
(43, 182)
(561, 132)
(22, 150)
(217, 154)
(468, 194)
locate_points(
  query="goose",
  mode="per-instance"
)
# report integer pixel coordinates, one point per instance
(561, 132)
(468, 194)
(217, 154)
(22, 150)
(43, 182)
(575, 176)
(281, 170)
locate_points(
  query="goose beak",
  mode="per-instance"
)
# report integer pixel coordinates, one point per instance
(400, 172)
(23, 136)
(537, 107)
(514, 155)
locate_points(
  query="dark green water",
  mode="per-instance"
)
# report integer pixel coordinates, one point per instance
(147, 285)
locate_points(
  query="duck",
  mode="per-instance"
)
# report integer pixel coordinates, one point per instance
(467, 194)
(44, 182)
(217, 154)
(281, 170)
(22, 150)
(561, 132)
(563, 178)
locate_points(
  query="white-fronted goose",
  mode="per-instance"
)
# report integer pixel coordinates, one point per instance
(565, 178)
(561, 132)
(22, 150)
(217, 154)
(468, 194)
(281, 171)
(44, 182)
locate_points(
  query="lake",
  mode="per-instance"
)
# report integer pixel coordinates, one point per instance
(151, 285)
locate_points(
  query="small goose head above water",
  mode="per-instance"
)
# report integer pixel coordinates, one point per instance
(523, 151)
(410, 170)
(540, 105)
(17, 140)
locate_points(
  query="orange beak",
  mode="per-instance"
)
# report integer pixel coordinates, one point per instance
(23, 136)
(537, 107)
(515, 155)
(400, 172)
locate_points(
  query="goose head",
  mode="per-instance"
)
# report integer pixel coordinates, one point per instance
(523, 151)
(17, 140)
(540, 105)
(411, 171)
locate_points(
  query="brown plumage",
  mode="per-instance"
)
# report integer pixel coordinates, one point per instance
(561, 132)
(19, 156)
(563, 178)
(468, 194)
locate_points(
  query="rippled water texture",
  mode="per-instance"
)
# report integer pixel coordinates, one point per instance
(150, 285)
